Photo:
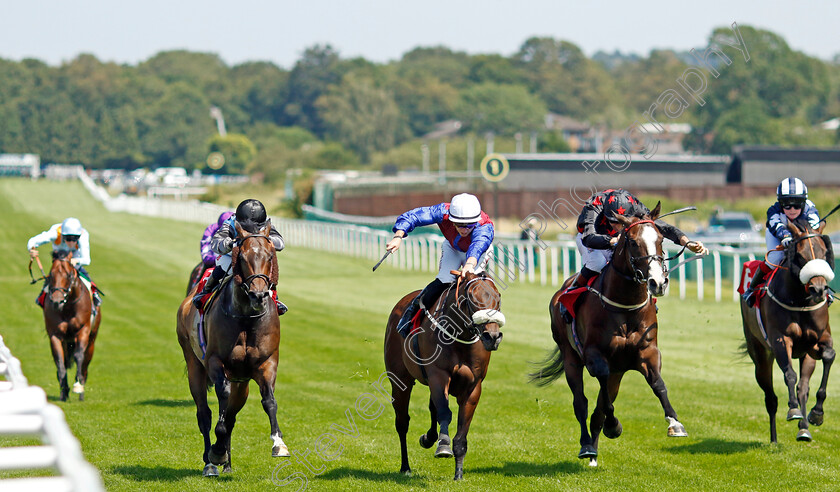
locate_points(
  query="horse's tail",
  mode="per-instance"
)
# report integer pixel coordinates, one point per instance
(549, 369)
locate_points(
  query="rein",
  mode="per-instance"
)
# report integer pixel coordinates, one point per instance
(454, 336)
(66, 290)
(40, 266)
(789, 257)
(247, 281)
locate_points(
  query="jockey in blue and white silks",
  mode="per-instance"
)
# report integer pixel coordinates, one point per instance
(792, 204)
(469, 234)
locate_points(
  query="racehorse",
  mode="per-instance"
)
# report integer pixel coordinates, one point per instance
(793, 324)
(443, 354)
(71, 327)
(242, 339)
(615, 330)
(195, 276)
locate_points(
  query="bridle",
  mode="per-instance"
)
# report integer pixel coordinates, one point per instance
(65, 290)
(247, 281)
(473, 329)
(638, 275)
(791, 253)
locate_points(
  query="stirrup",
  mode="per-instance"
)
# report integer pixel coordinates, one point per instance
(281, 308)
(749, 297)
(565, 314)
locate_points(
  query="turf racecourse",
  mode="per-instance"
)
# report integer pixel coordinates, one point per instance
(138, 424)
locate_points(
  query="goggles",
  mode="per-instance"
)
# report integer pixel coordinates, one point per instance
(788, 204)
(71, 238)
(467, 226)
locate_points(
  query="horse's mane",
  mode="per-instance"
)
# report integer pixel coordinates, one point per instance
(60, 254)
(273, 274)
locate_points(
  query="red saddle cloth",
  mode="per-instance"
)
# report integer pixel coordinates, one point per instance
(748, 271)
(416, 321)
(570, 297)
(200, 287)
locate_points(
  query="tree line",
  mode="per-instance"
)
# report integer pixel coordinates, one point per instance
(333, 112)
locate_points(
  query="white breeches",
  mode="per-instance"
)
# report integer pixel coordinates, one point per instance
(593, 259)
(452, 259)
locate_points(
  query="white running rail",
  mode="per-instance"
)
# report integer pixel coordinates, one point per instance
(24, 411)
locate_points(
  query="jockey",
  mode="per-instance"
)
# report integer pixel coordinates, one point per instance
(791, 204)
(251, 216)
(208, 256)
(598, 232)
(468, 232)
(66, 236)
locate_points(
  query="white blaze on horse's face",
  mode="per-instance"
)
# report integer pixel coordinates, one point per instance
(657, 280)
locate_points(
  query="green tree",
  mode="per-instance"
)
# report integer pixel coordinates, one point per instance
(502, 109)
(312, 75)
(237, 149)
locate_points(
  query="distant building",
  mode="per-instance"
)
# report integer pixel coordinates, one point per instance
(767, 165)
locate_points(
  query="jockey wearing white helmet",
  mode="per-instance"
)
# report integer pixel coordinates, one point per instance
(468, 232)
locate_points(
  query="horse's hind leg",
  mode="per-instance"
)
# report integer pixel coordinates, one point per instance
(428, 439)
(815, 416)
(400, 398)
(57, 348)
(265, 377)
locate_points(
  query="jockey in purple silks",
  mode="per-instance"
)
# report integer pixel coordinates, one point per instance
(208, 256)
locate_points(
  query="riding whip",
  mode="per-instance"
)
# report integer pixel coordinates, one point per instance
(832, 211)
(678, 211)
(687, 260)
(43, 275)
(380, 261)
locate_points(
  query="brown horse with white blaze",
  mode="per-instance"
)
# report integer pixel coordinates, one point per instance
(444, 355)
(69, 322)
(791, 322)
(242, 343)
(615, 331)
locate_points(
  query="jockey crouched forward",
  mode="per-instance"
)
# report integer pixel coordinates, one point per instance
(469, 234)
(598, 232)
(67, 236)
(252, 217)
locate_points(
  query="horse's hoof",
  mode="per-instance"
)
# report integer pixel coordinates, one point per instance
(815, 417)
(406, 472)
(444, 450)
(227, 468)
(210, 470)
(426, 442)
(794, 414)
(280, 451)
(588, 451)
(81, 397)
(216, 459)
(459, 475)
(78, 388)
(803, 435)
(615, 431)
(677, 430)
(593, 462)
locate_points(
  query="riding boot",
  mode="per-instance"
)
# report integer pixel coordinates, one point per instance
(426, 298)
(281, 308)
(580, 280)
(749, 294)
(211, 284)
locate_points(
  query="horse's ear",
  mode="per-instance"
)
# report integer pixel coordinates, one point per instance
(654, 214)
(794, 228)
(621, 219)
(266, 230)
(239, 230)
(821, 227)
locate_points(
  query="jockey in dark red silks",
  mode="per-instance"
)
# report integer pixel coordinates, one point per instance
(598, 232)
(469, 234)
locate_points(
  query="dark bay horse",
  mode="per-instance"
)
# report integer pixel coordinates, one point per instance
(443, 354)
(615, 330)
(794, 325)
(70, 326)
(243, 335)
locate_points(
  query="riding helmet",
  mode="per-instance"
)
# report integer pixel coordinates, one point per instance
(251, 215)
(464, 209)
(618, 202)
(792, 190)
(71, 227)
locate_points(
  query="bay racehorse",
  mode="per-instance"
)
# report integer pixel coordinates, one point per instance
(793, 324)
(615, 330)
(69, 321)
(443, 354)
(242, 339)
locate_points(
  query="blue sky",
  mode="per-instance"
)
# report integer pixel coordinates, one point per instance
(381, 30)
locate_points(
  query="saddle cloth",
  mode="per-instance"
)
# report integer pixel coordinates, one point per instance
(570, 297)
(748, 271)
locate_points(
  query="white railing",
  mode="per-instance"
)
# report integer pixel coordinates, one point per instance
(24, 411)
(512, 261)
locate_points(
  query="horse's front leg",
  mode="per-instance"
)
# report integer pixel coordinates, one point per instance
(439, 388)
(218, 454)
(782, 347)
(650, 366)
(467, 402)
(57, 348)
(815, 416)
(265, 376)
(81, 364)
